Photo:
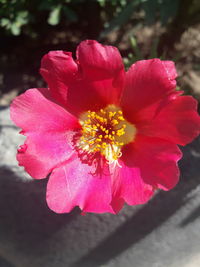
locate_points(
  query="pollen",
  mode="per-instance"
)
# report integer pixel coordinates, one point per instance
(105, 131)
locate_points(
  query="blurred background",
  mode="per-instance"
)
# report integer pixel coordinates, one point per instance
(163, 233)
(168, 29)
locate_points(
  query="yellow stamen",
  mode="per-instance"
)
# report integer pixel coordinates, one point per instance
(105, 131)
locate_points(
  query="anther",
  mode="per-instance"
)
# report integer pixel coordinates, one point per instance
(103, 132)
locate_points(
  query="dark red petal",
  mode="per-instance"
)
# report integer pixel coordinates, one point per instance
(97, 82)
(147, 114)
(48, 128)
(156, 159)
(100, 62)
(177, 121)
(58, 69)
(147, 82)
(117, 203)
(75, 184)
(129, 185)
(84, 95)
(100, 80)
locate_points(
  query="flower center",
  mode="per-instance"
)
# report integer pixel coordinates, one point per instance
(105, 131)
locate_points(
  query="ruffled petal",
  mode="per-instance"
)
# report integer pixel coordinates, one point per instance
(59, 70)
(100, 79)
(101, 62)
(147, 82)
(96, 80)
(142, 117)
(177, 121)
(49, 130)
(156, 159)
(77, 184)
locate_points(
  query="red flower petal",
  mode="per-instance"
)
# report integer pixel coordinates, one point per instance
(147, 114)
(100, 79)
(156, 159)
(84, 95)
(47, 127)
(101, 62)
(128, 184)
(147, 82)
(177, 121)
(97, 82)
(74, 184)
(58, 69)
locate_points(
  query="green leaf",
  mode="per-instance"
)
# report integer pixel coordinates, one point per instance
(54, 16)
(135, 47)
(150, 8)
(4, 22)
(102, 3)
(154, 48)
(70, 14)
(22, 17)
(122, 18)
(15, 29)
(168, 9)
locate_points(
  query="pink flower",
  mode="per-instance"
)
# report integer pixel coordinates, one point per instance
(105, 136)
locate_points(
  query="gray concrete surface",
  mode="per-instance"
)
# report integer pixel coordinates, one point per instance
(163, 233)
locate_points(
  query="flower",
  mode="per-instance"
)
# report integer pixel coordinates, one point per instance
(104, 136)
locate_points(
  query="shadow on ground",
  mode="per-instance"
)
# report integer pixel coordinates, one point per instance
(25, 217)
(152, 215)
(27, 221)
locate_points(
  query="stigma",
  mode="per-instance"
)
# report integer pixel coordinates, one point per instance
(105, 131)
